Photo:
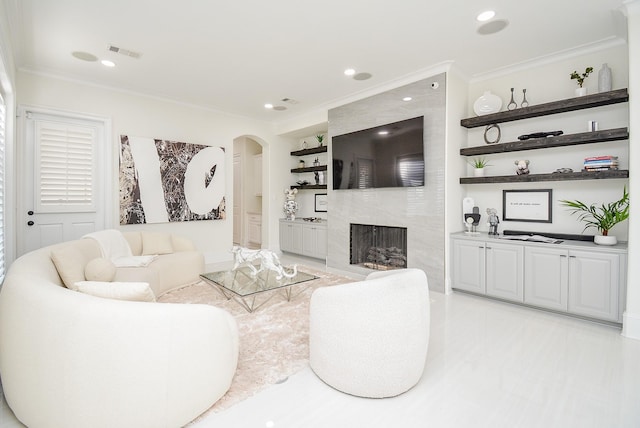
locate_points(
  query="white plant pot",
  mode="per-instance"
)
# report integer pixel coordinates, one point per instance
(478, 172)
(605, 240)
(581, 92)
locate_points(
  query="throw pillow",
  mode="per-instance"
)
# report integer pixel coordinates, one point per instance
(133, 291)
(67, 263)
(100, 269)
(156, 243)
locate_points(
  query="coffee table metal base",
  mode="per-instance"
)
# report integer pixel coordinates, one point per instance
(253, 291)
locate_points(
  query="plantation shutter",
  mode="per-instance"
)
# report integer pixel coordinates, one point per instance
(3, 121)
(65, 173)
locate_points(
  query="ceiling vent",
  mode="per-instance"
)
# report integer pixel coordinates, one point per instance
(124, 52)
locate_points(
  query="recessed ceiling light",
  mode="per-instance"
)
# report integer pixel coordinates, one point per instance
(84, 56)
(486, 15)
(108, 63)
(349, 72)
(407, 99)
(269, 106)
(383, 132)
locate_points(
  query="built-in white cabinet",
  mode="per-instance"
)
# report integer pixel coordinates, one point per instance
(490, 268)
(304, 238)
(578, 278)
(254, 230)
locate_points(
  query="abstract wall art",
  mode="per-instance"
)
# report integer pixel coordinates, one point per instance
(165, 181)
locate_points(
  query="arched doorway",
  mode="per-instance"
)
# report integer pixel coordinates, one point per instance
(249, 192)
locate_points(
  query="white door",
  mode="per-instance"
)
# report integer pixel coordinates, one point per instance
(62, 189)
(237, 199)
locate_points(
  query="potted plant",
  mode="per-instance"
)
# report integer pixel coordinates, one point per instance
(580, 91)
(602, 217)
(320, 139)
(479, 165)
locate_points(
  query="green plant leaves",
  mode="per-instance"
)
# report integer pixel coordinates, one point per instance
(602, 217)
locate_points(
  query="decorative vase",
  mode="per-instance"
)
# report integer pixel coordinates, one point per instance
(605, 240)
(478, 172)
(581, 92)
(604, 78)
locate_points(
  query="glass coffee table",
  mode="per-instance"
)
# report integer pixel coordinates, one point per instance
(253, 291)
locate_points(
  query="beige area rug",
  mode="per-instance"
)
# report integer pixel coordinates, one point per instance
(274, 340)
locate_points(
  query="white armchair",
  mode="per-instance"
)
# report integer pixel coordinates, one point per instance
(370, 338)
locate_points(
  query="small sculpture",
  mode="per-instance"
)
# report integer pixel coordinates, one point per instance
(523, 167)
(493, 221)
(268, 260)
(472, 220)
(290, 205)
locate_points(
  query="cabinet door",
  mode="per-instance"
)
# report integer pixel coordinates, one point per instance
(296, 238)
(546, 277)
(469, 266)
(321, 242)
(309, 238)
(504, 269)
(286, 236)
(254, 232)
(594, 283)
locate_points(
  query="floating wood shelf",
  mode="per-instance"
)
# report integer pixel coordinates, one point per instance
(311, 151)
(556, 176)
(310, 186)
(570, 104)
(310, 169)
(549, 142)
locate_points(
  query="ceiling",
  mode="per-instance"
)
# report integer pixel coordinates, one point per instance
(237, 55)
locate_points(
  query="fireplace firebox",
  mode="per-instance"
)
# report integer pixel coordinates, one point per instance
(378, 247)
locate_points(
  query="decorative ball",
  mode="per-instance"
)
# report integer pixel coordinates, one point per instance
(100, 270)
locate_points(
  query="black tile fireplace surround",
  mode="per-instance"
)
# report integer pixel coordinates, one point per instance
(378, 247)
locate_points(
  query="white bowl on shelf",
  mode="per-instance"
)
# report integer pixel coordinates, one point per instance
(488, 103)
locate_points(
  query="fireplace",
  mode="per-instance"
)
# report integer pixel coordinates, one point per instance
(378, 247)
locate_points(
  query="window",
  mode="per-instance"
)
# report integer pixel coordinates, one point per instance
(3, 112)
(65, 154)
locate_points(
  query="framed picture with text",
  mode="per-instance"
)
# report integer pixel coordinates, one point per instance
(321, 203)
(527, 205)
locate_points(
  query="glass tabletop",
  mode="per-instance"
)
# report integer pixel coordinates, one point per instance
(243, 283)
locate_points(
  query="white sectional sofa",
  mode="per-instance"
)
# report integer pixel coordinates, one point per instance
(69, 359)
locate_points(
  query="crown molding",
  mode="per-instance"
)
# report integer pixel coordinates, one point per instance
(604, 44)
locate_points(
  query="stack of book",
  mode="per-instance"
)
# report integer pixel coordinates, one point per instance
(600, 163)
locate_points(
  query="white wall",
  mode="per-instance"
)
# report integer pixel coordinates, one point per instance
(631, 320)
(550, 81)
(144, 116)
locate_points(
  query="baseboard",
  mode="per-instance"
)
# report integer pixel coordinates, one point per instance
(631, 325)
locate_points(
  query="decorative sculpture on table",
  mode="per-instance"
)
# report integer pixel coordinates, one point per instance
(290, 205)
(268, 260)
(472, 220)
(493, 221)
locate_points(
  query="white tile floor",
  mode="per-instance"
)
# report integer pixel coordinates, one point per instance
(490, 364)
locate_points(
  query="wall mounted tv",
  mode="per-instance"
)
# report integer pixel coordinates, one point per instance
(390, 155)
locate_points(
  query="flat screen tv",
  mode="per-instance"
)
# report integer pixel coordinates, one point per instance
(390, 155)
